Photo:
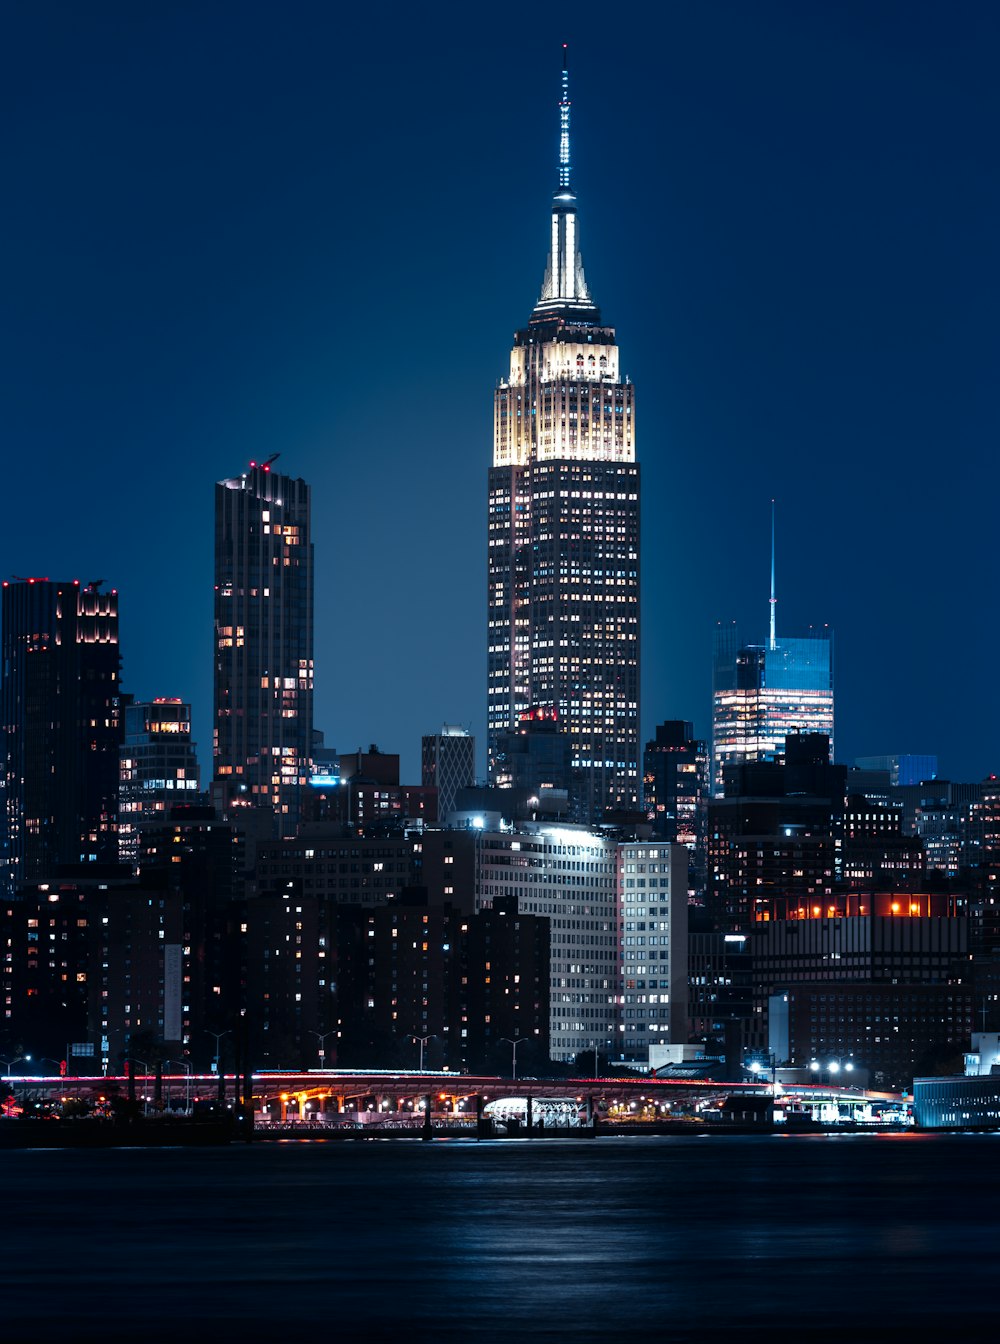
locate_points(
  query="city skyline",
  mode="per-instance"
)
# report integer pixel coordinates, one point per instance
(791, 219)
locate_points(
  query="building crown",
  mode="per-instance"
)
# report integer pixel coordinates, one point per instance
(564, 290)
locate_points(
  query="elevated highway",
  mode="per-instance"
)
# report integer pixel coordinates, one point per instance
(376, 1097)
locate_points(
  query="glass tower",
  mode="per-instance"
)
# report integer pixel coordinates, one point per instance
(563, 565)
(263, 641)
(763, 692)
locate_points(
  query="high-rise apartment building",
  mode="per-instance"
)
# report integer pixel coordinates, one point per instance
(675, 792)
(159, 767)
(653, 914)
(447, 763)
(263, 641)
(60, 727)
(563, 603)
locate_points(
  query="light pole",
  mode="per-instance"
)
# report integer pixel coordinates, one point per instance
(513, 1045)
(322, 1035)
(185, 1065)
(218, 1062)
(20, 1059)
(423, 1041)
(145, 1081)
(832, 1068)
(757, 1068)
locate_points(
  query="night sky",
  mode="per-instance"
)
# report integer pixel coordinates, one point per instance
(234, 229)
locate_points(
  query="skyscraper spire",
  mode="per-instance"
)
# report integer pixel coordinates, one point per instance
(772, 643)
(564, 122)
(564, 289)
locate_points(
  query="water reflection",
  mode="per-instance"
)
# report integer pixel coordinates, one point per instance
(669, 1238)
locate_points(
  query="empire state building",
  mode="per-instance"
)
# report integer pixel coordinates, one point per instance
(564, 528)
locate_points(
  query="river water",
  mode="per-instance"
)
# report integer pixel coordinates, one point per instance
(671, 1238)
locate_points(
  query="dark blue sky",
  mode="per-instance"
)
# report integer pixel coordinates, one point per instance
(236, 229)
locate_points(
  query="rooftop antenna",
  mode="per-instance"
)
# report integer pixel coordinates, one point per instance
(773, 643)
(564, 122)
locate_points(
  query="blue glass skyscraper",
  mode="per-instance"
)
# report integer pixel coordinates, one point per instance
(762, 692)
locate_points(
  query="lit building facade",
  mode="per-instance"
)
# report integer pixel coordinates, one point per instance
(763, 692)
(570, 876)
(159, 767)
(675, 791)
(263, 641)
(349, 869)
(653, 909)
(60, 727)
(563, 596)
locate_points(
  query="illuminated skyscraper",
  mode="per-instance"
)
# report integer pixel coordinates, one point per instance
(60, 728)
(264, 641)
(763, 692)
(563, 604)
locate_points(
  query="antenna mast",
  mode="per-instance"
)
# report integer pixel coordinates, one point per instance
(564, 121)
(773, 644)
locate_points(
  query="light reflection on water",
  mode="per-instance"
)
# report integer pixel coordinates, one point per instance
(675, 1238)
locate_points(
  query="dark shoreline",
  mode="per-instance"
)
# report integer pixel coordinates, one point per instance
(163, 1133)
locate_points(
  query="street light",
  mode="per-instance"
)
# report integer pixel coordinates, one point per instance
(221, 1077)
(145, 1079)
(19, 1059)
(596, 1059)
(758, 1066)
(514, 1044)
(423, 1041)
(833, 1067)
(186, 1066)
(322, 1035)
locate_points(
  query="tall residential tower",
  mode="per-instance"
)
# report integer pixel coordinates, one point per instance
(60, 728)
(563, 603)
(263, 641)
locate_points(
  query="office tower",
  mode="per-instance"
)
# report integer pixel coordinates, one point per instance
(905, 769)
(159, 767)
(675, 791)
(60, 720)
(264, 641)
(882, 978)
(447, 763)
(565, 873)
(763, 692)
(563, 602)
